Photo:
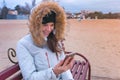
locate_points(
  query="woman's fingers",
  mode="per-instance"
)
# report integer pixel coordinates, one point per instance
(63, 66)
(70, 64)
(67, 61)
(60, 63)
(58, 68)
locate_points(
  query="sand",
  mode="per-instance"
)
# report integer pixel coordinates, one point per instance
(98, 40)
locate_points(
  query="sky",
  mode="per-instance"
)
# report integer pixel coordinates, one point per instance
(104, 6)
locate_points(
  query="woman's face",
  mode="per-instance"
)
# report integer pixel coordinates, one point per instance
(47, 28)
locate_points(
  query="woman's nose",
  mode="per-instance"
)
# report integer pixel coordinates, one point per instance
(49, 28)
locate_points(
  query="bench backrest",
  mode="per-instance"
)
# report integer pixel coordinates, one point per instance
(81, 69)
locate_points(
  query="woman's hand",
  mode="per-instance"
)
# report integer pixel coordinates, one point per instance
(63, 66)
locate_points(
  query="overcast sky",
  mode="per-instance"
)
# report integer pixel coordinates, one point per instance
(104, 6)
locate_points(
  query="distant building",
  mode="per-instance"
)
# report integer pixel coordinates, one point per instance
(77, 15)
(69, 15)
(12, 14)
(22, 16)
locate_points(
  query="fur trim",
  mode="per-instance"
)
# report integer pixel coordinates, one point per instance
(35, 21)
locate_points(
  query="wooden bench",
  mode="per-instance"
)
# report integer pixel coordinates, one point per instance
(81, 69)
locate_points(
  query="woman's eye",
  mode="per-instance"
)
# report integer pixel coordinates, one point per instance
(45, 25)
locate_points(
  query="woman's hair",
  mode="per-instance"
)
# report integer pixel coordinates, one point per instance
(53, 43)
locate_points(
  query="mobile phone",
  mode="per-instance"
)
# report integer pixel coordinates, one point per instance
(69, 55)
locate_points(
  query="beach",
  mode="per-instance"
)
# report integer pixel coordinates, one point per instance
(97, 39)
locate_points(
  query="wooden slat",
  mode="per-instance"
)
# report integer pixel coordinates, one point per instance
(74, 69)
(84, 72)
(79, 71)
(9, 71)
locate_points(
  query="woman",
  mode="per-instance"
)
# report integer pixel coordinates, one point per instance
(40, 53)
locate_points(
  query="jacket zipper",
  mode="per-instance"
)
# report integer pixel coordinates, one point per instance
(47, 59)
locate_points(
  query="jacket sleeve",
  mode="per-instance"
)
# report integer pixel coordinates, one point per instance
(67, 75)
(27, 66)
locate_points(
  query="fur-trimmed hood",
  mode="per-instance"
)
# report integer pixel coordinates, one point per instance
(35, 21)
